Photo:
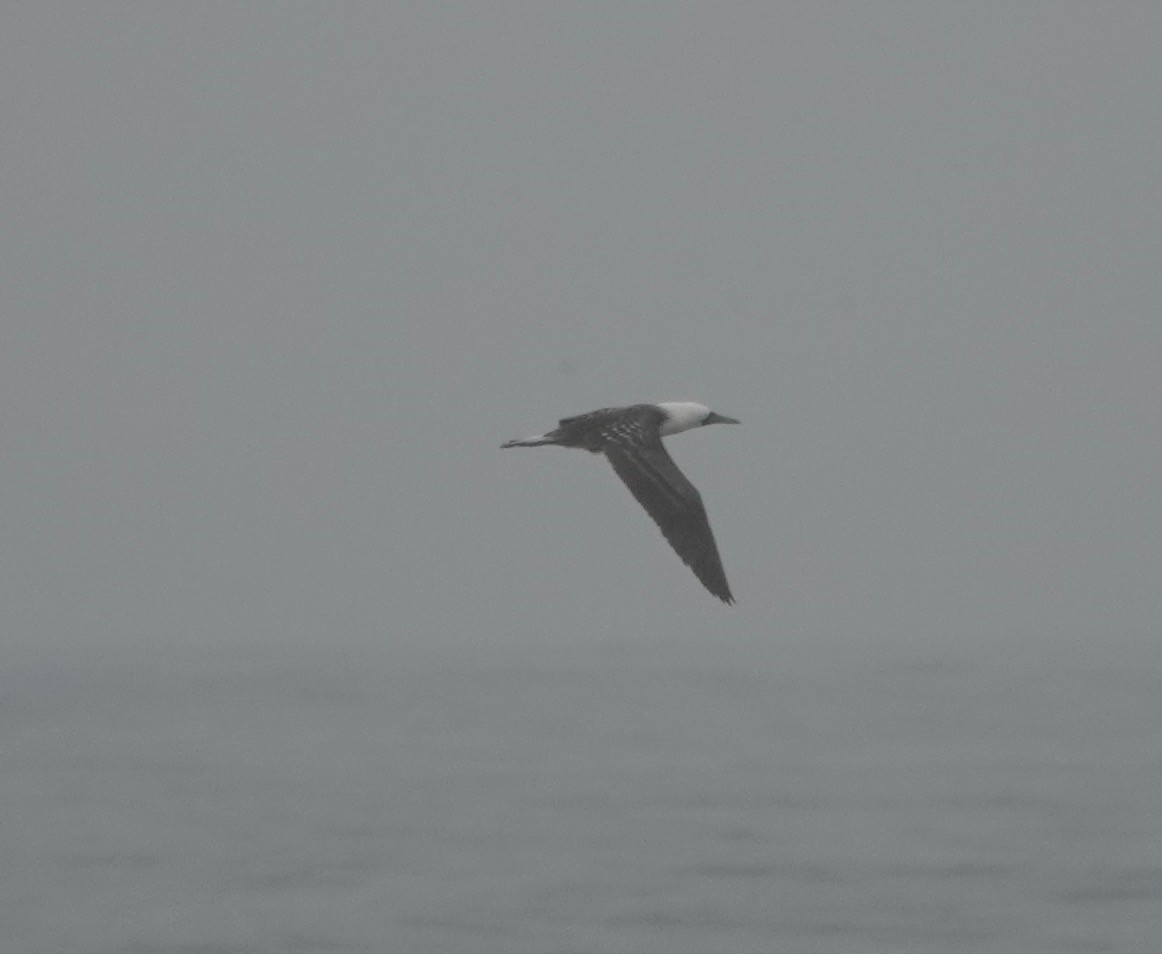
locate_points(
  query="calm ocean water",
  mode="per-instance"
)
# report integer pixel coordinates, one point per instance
(618, 800)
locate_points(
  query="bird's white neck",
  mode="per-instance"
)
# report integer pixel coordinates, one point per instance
(681, 416)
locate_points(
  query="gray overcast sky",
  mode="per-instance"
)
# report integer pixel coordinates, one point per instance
(279, 278)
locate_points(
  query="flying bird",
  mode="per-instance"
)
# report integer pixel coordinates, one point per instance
(631, 439)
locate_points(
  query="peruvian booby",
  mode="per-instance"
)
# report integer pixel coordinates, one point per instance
(631, 439)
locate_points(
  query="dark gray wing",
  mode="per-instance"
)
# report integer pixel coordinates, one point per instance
(635, 450)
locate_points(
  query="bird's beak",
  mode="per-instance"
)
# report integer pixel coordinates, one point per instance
(716, 418)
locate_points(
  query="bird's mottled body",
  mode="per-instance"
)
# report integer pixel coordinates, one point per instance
(631, 439)
(595, 430)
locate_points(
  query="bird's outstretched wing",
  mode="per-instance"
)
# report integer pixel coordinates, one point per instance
(635, 450)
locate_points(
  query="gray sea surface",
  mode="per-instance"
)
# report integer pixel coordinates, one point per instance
(612, 798)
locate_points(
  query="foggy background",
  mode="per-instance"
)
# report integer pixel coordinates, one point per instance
(280, 278)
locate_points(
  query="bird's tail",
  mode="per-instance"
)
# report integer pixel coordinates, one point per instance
(537, 441)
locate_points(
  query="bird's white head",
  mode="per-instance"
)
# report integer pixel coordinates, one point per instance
(683, 415)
